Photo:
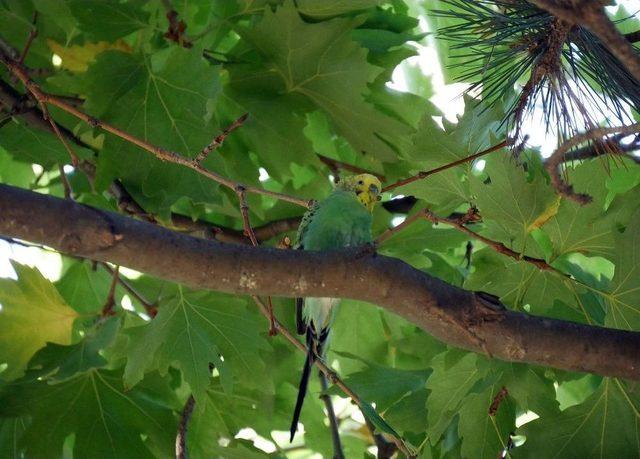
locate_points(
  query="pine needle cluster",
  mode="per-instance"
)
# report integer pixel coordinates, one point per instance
(563, 69)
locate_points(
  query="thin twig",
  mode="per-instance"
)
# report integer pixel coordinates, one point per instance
(248, 231)
(217, 141)
(158, 152)
(335, 165)
(244, 210)
(391, 231)
(68, 191)
(35, 90)
(471, 216)
(423, 174)
(56, 130)
(322, 366)
(333, 420)
(497, 246)
(33, 33)
(609, 146)
(555, 160)
(151, 308)
(183, 427)
(30, 114)
(107, 309)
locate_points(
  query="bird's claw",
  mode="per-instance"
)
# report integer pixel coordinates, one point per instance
(370, 248)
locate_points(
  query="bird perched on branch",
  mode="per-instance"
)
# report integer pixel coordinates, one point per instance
(343, 219)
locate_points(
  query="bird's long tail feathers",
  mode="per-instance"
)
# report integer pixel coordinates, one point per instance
(314, 348)
(302, 392)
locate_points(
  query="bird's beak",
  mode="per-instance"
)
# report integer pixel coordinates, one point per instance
(373, 189)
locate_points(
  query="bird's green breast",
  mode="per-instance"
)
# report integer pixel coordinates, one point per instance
(338, 221)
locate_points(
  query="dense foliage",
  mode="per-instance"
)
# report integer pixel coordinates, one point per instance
(80, 377)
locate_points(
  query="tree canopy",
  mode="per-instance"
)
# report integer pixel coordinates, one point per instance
(165, 152)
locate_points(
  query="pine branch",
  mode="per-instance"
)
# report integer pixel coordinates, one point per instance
(591, 14)
(107, 309)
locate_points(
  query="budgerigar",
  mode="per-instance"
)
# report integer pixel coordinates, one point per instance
(343, 219)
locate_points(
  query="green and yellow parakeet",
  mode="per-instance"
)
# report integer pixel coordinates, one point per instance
(343, 219)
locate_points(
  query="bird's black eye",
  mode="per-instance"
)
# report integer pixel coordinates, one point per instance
(360, 182)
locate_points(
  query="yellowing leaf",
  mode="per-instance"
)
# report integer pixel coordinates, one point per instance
(548, 213)
(77, 58)
(33, 313)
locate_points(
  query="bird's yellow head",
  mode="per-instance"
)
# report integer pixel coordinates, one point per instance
(367, 188)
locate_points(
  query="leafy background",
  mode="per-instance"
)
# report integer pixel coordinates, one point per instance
(352, 81)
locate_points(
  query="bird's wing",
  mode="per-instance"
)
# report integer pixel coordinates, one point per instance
(301, 325)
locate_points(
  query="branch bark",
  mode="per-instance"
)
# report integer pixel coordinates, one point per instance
(455, 316)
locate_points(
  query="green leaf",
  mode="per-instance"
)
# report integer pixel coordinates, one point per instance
(84, 289)
(586, 229)
(519, 283)
(33, 313)
(329, 8)
(331, 71)
(383, 385)
(527, 386)
(108, 20)
(411, 243)
(107, 421)
(169, 108)
(11, 429)
(409, 414)
(449, 384)
(623, 299)
(359, 329)
(485, 436)
(221, 414)
(434, 147)
(59, 363)
(30, 145)
(607, 424)
(15, 173)
(250, 91)
(192, 330)
(512, 206)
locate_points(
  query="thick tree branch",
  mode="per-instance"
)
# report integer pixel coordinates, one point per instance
(455, 316)
(32, 116)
